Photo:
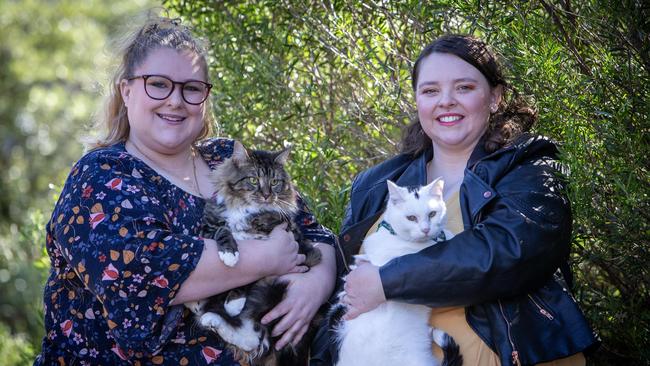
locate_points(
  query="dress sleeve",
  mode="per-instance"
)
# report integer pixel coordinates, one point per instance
(113, 226)
(310, 228)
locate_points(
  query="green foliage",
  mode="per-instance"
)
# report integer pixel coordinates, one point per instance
(332, 78)
(15, 350)
(23, 270)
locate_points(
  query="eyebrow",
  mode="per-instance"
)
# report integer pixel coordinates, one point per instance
(459, 80)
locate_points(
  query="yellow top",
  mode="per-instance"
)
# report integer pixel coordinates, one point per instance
(452, 319)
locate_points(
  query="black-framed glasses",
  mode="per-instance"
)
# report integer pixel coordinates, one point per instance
(160, 87)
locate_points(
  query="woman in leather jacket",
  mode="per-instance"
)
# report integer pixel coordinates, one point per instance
(496, 287)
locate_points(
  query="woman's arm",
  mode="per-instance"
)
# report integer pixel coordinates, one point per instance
(274, 256)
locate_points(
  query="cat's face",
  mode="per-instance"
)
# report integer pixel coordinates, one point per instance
(257, 178)
(416, 215)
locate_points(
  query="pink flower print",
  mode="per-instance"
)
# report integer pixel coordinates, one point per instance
(132, 288)
(110, 273)
(181, 204)
(87, 191)
(210, 353)
(308, 220)
(114, 184)
(66, 327)
(102, 258)
(118, 351)
(132, 189)
(77, 338)
(126, 323)
(159, 300)
(154, 201)
(100, 195)
(96, 218)
(93, 353)
(160, 281)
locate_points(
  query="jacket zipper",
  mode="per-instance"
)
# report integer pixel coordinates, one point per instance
(340, 248)
(515, 354)
(541, 309)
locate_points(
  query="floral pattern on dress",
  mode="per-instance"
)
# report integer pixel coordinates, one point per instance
(121, 240)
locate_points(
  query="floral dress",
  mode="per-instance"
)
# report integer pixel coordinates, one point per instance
(121, 241)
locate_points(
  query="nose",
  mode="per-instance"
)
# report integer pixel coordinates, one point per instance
(425, 230)
(176, 97)
(447, 99)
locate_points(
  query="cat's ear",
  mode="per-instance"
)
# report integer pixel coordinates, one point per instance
(239, 152)
(283, 155)
(395, 192)
(435, 188)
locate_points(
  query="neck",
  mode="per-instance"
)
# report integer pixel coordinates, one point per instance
(450, 165)
(177, 164)
(179, 168)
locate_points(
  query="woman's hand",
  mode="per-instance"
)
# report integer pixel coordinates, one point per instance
(363, 289)
(306, 292)
(276, 255)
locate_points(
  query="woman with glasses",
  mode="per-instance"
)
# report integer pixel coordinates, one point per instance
(123, 238)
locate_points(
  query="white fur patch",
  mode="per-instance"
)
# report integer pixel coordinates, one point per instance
(211, 321)
(438, 336)
(394, 333)
(229, 259)
(234, 307)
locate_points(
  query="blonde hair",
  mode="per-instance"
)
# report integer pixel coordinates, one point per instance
(157, 32)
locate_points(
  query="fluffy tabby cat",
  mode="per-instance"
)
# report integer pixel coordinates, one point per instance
(397, 333)
(253, 195)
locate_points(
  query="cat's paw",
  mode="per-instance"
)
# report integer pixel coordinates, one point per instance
(211, 321)
(229, 258)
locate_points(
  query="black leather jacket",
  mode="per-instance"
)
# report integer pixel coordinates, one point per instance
(503, 267)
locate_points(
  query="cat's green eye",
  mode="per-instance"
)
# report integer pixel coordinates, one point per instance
(411, 218)
(432, 214)
(253, 180)
(275, 182)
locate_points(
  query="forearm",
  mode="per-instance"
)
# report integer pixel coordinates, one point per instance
(211, 276)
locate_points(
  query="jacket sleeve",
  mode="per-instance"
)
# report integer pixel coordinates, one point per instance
(113, 228)
(519, 239)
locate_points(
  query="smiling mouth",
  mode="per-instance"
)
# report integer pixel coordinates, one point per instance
(449, 119)
(170, 118)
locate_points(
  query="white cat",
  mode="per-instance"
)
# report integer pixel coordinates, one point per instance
(397, 333)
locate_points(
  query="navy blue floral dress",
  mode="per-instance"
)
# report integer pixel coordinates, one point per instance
(121, 241)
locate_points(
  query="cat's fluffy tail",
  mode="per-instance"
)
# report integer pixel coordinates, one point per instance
(449, 348)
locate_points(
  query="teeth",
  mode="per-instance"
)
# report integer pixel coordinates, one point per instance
(449, 118)
(171, 118)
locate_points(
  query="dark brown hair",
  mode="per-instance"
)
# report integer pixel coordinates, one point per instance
(513, 115)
